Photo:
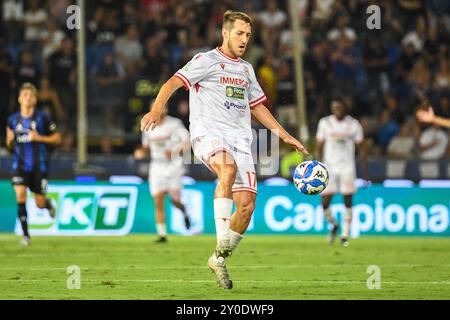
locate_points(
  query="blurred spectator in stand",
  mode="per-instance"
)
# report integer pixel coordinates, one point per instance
(108, 76)
(369, 130)
(52, 41)
(272, 16)
(342, 29)
(433, 143)
(285, 107)
(58, 10)
(48, 101)
(6, 86)
(443, 107)
(130, 16)
(12, 17)
(129, 49)
(416, 37)
(154, 65)
(62, 75)
(402, 145)
(419, 80)
(388, 128)
(410, 10)
(35, 27)
(343, 63)
(267, 78)
(431, 47)
(441, 81)
(27, 70)
(376, 62)
(392, 105)
(321, 12)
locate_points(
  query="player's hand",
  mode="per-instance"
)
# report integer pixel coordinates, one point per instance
(426, 115)
(150, 120)
(297, 145)
(168, 154)
(34, 136)
(139, 154)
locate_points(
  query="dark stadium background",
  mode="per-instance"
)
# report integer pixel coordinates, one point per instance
(133, 46)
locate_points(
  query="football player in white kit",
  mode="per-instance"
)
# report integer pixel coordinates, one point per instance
(223, 95)
(337, 135)
(166, 169)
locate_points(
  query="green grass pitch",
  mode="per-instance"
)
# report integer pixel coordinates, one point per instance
(263, 267)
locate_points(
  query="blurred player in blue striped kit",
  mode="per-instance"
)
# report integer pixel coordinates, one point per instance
(30, 133)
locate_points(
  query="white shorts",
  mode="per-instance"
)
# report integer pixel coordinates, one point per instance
(340, 182)
(205, 147)
(165, 178)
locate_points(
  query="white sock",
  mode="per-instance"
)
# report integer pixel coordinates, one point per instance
(235, 238)
(329, 216)
(161, 229)
(347, 223)
(222, 217)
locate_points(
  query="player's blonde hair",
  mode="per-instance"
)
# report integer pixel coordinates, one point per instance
(28, 86)
(230, 16)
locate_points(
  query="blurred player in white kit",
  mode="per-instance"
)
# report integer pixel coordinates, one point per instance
(337, 135)
(223, 96)
(166, 143)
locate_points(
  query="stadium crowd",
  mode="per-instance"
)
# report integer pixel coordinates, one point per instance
(133, 46)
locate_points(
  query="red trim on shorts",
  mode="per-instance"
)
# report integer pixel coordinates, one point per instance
(209, 155)
(186, 82)
(219, 50)
(239, 189)
(257, 101)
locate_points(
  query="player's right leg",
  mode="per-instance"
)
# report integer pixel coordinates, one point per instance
(224, 166)
(21, 197)
(175, 197)
(160, 216)
(326, 200)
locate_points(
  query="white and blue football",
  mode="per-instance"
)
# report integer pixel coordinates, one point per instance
(311, 177)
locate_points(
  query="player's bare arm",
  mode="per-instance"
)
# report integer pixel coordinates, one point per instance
(9, 138)
(152, 118)
(54, 139)
(263, 115)
(428, 116)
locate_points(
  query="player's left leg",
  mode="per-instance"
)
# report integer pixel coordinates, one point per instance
(175, 197)
(160, 216)
(348, 189)
(347, 220)
(39, 188)
(21, 197)
(245, 205)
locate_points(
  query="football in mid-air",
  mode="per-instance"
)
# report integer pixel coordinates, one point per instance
(311, 177)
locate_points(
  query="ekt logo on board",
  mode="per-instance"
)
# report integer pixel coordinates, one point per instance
(87, 210)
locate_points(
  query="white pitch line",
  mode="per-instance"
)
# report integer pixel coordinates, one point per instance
(240, 281)
(231, 267)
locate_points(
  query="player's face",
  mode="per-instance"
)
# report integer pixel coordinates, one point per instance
(27, 98)
(237, 37)
(338, 109)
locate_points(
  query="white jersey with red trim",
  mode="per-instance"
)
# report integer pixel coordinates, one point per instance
(339, 139)
(222, 90)
(166, 136)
